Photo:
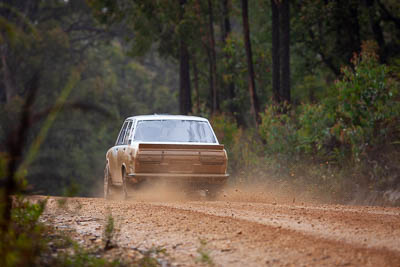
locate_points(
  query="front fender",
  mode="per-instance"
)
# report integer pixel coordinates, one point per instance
(114, 168)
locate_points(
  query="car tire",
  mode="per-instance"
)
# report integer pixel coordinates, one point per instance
(107, 182)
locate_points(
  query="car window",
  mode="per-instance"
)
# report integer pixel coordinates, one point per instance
(174, 131)
(128, 133)
(122, 133)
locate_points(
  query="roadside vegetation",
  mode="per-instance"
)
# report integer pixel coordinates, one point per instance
(27, 242)
(204, 254)
(30, 242)
(345, 145)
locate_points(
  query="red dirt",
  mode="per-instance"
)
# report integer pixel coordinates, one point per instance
(237, 233)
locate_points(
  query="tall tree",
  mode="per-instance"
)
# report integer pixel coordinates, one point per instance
(280, 50)
(332, 31)
(185, 96)
(255, 107)
(9, 86)
(226, 31)
(285, 50)
(67, 30)
(212, 60)
(276, 87)
(165, 25)
(185, 99)
(196, 83)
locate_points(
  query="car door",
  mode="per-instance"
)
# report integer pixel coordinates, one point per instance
(123, 147)
(126, 151)
(113, 162)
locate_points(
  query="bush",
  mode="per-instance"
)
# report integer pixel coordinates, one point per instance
(22, 241)
(242, 145)
(314, 129)
(355, 128)
(367, 108)
(279, 130)
(362, 114)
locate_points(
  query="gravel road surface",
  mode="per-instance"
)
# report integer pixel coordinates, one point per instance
(239, 233)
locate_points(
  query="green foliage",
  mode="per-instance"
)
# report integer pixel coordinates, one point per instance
(151, 257)
(82, 257)
(109, 232)
(234, 67)
(351, 128)
(367, 106)
(22, 242)
(242, 145)
(89, 82)
(278, 129)
(225, 128)
(313, 133)
(204, 254)
(362, 114)
(26, 243)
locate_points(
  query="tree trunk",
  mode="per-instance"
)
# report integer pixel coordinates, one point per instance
(213, 60)
(275, 52)
(355, 39)
(210, 78)
(185, 99)
(15, 144)
(196, 83)
(205, 39)
(285, 50)
(226, 30)
(255, 108)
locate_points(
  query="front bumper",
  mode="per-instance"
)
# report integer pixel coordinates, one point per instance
(181, 177)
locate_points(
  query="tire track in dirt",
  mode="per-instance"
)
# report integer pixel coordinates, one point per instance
(359, 226)
(186, 229)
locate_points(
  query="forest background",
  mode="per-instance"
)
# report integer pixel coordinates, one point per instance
(302, 93)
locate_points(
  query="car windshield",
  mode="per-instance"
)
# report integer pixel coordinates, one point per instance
(174, 131)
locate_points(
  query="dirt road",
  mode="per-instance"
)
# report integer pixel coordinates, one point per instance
(241, 233)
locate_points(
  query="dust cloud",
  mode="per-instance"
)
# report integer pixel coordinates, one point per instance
(267, 191)
(159, 191)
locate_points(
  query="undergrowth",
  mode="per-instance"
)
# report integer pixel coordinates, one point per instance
(348, 142)
(204, 254)
(29, 242)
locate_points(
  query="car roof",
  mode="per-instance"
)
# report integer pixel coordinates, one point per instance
(166, 117)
